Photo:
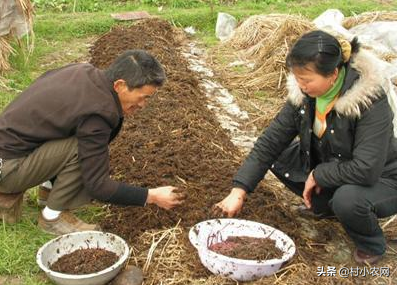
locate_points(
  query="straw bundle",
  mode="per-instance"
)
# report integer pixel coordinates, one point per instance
(25, 9)
(5, 51)
(259, 88)
(369, 17)
(270, 54)
(286, 33)
(253, 30)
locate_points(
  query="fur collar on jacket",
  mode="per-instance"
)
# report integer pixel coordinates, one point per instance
(359, 96)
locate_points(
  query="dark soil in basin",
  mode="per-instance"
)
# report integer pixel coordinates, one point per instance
(245, 247)
(85, 261)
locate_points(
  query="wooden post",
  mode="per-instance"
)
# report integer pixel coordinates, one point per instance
(11, 207)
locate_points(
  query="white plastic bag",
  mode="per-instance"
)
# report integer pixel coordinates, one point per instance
(381, 36)
(225, 26)
(331, 21)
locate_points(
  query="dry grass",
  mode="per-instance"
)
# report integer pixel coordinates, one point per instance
(389, 57)
(369, 17)
(389, 226)
(253, 30)
(25, 6)
(28, 11)
(263, 40)
(270, 53)
(5, 51)
(160, 254)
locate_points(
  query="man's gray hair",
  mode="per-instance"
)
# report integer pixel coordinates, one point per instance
(137, 68)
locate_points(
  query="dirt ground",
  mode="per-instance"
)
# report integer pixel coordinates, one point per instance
(176, 140)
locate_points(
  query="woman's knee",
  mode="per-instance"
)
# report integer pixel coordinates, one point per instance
(348, 200)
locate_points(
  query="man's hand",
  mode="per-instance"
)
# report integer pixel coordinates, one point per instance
(310, 186)
(232, 204)
(166, 197)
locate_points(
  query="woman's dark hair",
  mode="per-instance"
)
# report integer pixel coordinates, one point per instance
(137, 68)
(321, 49)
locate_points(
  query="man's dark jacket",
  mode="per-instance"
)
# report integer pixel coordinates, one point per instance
(358, 146)
(77, 100)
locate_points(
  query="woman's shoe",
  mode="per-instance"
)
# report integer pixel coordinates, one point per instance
(366, 258)
(304, 211)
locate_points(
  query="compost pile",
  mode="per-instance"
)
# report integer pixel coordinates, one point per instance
(85, 261)
(245, 247)
(176, 140)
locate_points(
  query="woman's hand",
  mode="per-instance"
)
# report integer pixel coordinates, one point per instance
(166, 197)
(232, 204)
(310, 186)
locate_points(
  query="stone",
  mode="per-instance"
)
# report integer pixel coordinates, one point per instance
(131, 275)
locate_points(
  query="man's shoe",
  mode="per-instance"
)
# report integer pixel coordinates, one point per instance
(66, 223)
(366, 258)
(43, 196)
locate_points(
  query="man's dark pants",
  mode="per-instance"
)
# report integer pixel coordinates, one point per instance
(54, 159)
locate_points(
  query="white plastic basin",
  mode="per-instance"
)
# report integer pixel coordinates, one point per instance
(218, 230)
(55, 248)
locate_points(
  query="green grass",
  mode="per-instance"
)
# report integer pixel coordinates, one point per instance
(18, 254)
(60, 38)
(261, 94)
(242, 7)
(18, 246)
